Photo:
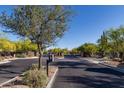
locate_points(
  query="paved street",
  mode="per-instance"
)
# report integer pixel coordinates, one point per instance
(75, 73)
(14, 68)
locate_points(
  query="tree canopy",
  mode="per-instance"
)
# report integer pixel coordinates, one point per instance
(43, 25)
(88, 49)
(16, 46)
(114, 44)
(6, 45)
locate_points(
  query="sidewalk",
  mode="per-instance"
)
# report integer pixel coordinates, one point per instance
(9, 60)
(101, 61)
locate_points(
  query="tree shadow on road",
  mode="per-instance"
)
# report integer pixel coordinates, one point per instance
(105, 71)
(8, 72)
(88, 75)
(6, 66)
(94, 82)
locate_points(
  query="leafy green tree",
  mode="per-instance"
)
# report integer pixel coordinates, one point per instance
(59, 51)
(74, 51)
(116, 38)
(25, 46)
(43, 25)
(112, 43)
(88, 49)
(103, 45)
(65, 51)
(6, 45)
(114, 35)
(56, 51)
(122, 43)
(19, 46)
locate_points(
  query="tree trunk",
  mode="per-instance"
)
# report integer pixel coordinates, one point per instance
(40, 61)
(122, 57)
(40, 56)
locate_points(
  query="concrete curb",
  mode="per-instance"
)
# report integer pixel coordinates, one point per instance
(23, 58)
(90, 60)
(49, 85)
(98, 62)
(5, 62)
(114, 68)
(59, 57)
(9, 81)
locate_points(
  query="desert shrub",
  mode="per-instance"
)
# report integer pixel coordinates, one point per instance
(35, 78)
(1, 58)
(20, 55)
(34, 67)
(105, 58)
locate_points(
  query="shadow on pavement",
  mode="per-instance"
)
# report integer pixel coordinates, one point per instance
(82, 77)
(95, 82)
(8, 72)
(6, 66)
(105, 71)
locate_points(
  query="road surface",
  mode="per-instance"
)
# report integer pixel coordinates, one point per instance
(76, 73)
(72, 73)
(14, 68)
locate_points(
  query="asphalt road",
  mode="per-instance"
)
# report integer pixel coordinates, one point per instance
(14, 68)
(75, 73)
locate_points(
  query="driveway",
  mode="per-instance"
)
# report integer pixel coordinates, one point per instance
(76, 73)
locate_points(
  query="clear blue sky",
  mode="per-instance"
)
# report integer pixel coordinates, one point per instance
(87, 24)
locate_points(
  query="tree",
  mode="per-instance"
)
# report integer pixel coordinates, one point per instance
(122, 43)
(112, 43)
(116, 38)
(43, 25)
(103, 45)
(59, 51)
(25, 46)
(7, 46)
(56, 51)
(65, 51)
(19, 45)
(74, 51)
(88, 49)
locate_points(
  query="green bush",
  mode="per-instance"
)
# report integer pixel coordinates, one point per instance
(20, 55)
(35, 78)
